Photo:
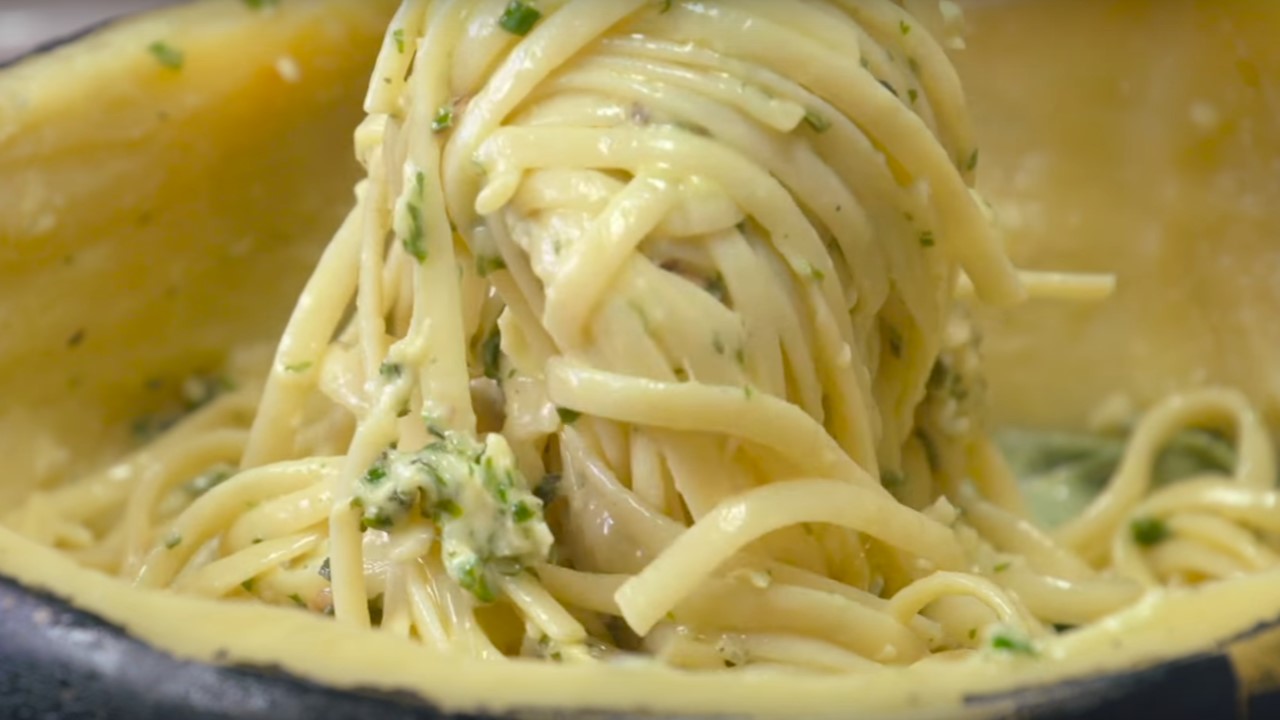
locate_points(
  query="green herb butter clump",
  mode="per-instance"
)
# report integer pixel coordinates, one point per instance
(489, 519)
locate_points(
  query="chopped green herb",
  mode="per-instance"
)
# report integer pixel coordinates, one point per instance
(866, 64)
(473, 580)
(446, 509)
(926, 238)
(666, 5)
(173, 541)
(398, 36)
(816, 121)
(972, 163)
(914, 65)
(904, 27)
(247, 585)
(298, 367)
(891, 479)
(893, 337)
(491, 353)
(522, 512)
(391, 370)
(748, 392)
(376, 473)
(717, 344)
(809, 270)
(489, 264)
(973, 633)
(261, 4)
(324, 570)
(1148, 531)
(166, 55)
(1001, 566)
(717, 288)
(913, 94)
(740, 356)
(519, 17)
(297, 600)
(1012, 644)
(415, 243)
(889, 87)
(443, 119)
(375, 610)
(567, 415)
(378, 520)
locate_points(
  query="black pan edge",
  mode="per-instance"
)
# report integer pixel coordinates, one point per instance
(59, 661)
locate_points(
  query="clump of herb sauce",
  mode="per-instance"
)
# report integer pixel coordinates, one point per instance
(490, 522)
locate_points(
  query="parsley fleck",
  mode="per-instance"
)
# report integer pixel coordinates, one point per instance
(415, 243)
(926, 239)
(247, 585)
(166, 54)
(893, 337)
(811, 271)
(567, 415)
(913, 94)
(491, 353)
(375, 610)
(173, 541)
(398, 36)
(261, 4)
(1012, 644)
(972, 163)
(1001, 566)
(1149, 531)
(391, 370)
(488, 264)
(904, 27)
(297, 600)
(716, 286)
(298, 367)
(522, 512)
(519, 18)
(717, 344)
(666, 6)
(379, 520)
(889, 87)
(816, 121)
(443, 119)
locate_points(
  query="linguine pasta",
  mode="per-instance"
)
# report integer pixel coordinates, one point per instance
(646, 338)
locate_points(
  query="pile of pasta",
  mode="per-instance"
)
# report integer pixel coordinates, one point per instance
(644, 338)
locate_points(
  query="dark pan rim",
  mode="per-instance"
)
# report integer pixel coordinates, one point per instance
(59, 661)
